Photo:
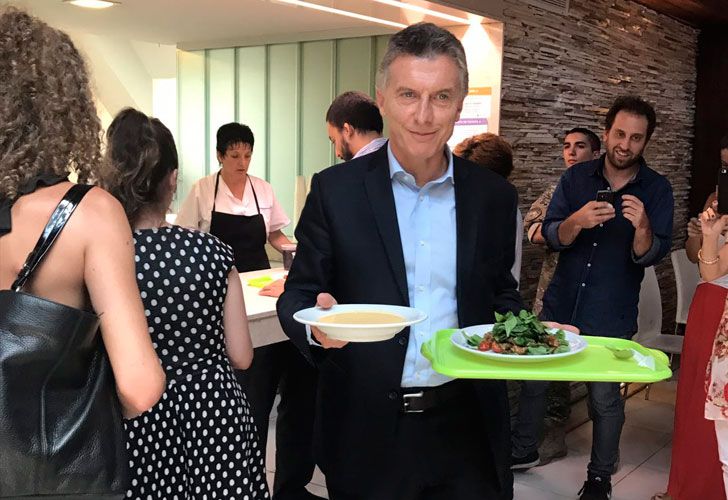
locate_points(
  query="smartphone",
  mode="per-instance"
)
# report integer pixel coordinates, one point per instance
(723, 191)
(608, 195)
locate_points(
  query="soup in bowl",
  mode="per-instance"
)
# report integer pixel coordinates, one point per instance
(362, 318)
(360, 322)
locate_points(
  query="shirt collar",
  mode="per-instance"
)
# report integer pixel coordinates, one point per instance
(226, 191)
(395, 169)
(372, 146)
(598, 169)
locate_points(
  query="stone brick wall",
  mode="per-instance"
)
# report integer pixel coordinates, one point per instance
(562, 71)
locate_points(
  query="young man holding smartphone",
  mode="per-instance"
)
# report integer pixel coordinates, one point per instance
(603, 251)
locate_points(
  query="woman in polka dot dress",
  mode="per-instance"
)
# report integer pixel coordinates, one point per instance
(199, 441)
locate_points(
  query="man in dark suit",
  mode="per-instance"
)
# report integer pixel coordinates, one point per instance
(408, 225)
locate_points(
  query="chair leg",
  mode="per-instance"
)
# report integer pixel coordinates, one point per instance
(647, 392)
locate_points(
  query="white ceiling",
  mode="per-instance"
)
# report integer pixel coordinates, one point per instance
(133, 43)
(211, 23)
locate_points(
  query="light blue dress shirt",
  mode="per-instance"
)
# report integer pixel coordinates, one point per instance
(427, 227)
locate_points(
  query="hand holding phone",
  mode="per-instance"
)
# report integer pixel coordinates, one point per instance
(712, 223)
(592, 214)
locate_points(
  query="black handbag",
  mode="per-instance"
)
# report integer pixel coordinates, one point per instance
(61, 433)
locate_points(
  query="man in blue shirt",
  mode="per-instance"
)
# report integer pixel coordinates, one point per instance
(604, 248)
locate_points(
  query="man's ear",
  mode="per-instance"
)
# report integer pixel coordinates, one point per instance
(347, 131)
(460, 107)
(380, 101)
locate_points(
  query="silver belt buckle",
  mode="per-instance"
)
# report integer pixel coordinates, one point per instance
(406, 403)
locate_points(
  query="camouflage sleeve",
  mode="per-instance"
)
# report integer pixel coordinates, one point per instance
(537, 212)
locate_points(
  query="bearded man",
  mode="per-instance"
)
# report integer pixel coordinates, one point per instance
(604, 248)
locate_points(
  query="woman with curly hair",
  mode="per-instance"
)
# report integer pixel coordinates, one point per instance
(199, 441)
(494, 152)
(48, 130)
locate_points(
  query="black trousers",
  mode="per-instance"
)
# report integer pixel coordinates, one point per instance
(280, 367)
(440, 454)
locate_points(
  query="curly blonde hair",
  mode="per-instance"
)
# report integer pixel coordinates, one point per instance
(48, 121)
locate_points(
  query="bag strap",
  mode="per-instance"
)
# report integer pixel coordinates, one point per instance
(56, 223)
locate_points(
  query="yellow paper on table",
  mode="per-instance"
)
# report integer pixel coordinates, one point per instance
(260, 281)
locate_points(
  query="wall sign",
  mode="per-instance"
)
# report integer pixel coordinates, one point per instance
(474, 116)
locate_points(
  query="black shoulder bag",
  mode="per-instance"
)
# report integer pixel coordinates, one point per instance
(61, 434)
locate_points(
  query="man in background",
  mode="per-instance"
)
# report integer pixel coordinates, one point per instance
(354, 125)
(604, 247)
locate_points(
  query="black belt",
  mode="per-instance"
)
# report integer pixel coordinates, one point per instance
(418, 400)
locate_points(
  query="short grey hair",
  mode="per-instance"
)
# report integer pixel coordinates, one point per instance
(427, 41)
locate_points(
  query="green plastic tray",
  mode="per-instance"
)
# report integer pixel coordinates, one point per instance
(596, 363)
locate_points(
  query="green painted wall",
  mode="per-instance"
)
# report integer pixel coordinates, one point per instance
(191, 130)
(282, 92)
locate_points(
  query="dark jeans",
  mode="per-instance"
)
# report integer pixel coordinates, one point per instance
(281, 367)
(606, 410)
(439, 454)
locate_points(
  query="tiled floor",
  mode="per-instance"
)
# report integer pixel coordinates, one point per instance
(645, 453)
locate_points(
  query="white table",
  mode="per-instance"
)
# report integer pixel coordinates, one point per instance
(263, 321)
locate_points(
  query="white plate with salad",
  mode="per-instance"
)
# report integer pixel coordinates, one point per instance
(520, 338)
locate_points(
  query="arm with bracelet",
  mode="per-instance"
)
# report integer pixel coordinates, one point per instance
(712, 259)
(695, 235)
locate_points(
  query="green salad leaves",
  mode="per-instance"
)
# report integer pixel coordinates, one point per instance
(520, 334)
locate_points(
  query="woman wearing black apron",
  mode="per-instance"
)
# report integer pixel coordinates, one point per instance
(242, 211)
(245, 233)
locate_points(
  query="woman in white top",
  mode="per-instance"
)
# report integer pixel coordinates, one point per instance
(241, 210)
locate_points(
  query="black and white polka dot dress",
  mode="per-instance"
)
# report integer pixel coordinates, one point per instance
(199, 441)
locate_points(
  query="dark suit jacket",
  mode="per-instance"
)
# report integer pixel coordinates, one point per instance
(349, 245)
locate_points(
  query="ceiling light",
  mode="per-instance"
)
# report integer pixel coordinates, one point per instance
(423, 10)
(92, 4)
(341, 12)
